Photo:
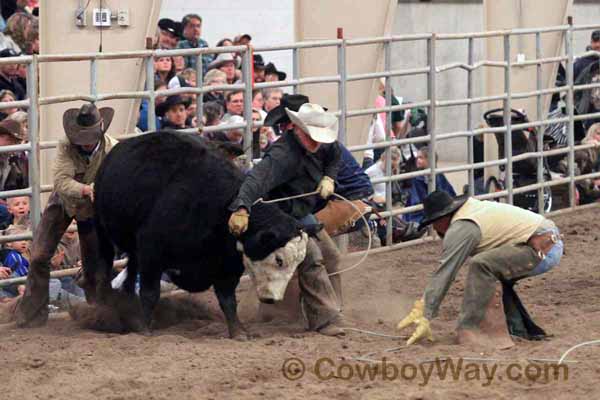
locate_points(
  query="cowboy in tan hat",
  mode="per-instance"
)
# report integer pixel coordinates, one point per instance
(291, 167)
(506, 243)
(13, 166)
(75, 168)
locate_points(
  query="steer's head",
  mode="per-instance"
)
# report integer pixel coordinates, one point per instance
(272, 249)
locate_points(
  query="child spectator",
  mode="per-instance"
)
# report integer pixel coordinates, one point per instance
(18, 207)
(212, 113)
(15, 263)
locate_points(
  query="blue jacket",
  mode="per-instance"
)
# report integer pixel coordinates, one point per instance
(16, 262)
(143, 121)
(418, 191)
(352, 182)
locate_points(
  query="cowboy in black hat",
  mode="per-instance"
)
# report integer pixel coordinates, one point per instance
(77, 162)
(169, 33)
(259, 68)
(173, 112)
(505, 243)
(272, 74)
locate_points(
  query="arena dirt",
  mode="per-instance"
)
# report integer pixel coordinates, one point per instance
(193, 359)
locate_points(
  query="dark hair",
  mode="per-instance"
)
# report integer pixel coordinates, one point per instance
(213, 111)
(220, 42)
(188, 17)
(231, 93)
(596, 36)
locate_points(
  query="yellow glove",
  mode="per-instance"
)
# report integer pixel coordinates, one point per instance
(326, 187)
(238, 222)
(416, 317)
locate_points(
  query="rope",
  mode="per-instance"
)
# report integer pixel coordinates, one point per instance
(576, 346)
(298, 196)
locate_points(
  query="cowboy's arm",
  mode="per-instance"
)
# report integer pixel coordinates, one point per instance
(276, 168)
(64, 174)
(460, 241)
(332, 159)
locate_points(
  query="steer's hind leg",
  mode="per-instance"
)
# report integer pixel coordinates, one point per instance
(225, 291)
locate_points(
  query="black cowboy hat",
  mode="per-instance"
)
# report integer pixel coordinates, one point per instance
(167, 24)
(291, 101)
(259, 63)
(86, 125)
(171, 101)
(271, 69)
(438, 204)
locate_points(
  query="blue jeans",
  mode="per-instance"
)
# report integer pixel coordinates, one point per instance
(552, 259)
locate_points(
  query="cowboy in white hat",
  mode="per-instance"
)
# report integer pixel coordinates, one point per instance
(290, 167)
(77, 162)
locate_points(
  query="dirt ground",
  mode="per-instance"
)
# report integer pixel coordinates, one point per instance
(194, 360)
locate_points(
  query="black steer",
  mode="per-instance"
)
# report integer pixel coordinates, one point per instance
(163, 199)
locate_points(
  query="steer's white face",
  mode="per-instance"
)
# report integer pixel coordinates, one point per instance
(272, 274)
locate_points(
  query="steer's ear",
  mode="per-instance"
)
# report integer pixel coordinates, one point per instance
(240, 246)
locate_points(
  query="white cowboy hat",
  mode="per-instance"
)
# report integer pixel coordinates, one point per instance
(314, 120)
(221, 59)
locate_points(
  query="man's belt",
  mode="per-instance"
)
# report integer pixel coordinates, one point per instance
(543, 243)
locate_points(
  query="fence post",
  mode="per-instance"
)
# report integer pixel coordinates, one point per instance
(570, 111)
(246, 68)
(93, 78)
(296, 69)
(431, 93)
(470, 139)
(508, 120)
(34, 139)
(341, 59)
(387, 47)
(540, 116)
(199, 84)
(150, 88)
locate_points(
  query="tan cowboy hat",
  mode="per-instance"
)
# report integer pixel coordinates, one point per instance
(86, 125)
(314, 120)
(11, 128)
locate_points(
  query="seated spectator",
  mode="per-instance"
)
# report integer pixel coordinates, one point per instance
(186, 78)
(234, 103)
(70, 247)
(377, 170)
(225, 42)
(588, 161)
(33, 38)
(212, 113)
(18, 27)
(7, 96)
(258, 103)
(169, 33)
(192, 32)
(191, 119)
(376, 135)
(583, 62)
(179, 62)
(272, 74)
(142, 123)
(18, 207)
(233, 135)
(226, 63)
(173, 112)
(259, 69)
(21, 118)
(418, 187)
(164, 70)
(262, 136)
(14, 262)
(215, 77)
(13, 167)
(9, 76)
(6, 42)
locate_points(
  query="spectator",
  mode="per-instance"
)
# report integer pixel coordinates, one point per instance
(224, 42)
(376, 135)
(18, 207)
(418, 187)
(173, 112)
(212, 113)
(9, 76)
(70, 247)
(143, 119)
(22, 118)
(192, 32)
(262, 136)
(32, 40)
(232, 135)
(7, 96)
(272, 98)
(377, 170)
(18, 27)
(6, 42)
(226, 63)
(400, 119)
(242, 40)
(164, 70)
(15, 263)
(179, 62)
(259, 69)
(13, 169)
(258, 103)
(187, 78)
(191, 119)
(234, 103)
(215, 77)
(169, 33)
(584, 62)
(272, 74)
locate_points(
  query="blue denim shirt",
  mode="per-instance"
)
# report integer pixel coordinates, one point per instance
(190, 61)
